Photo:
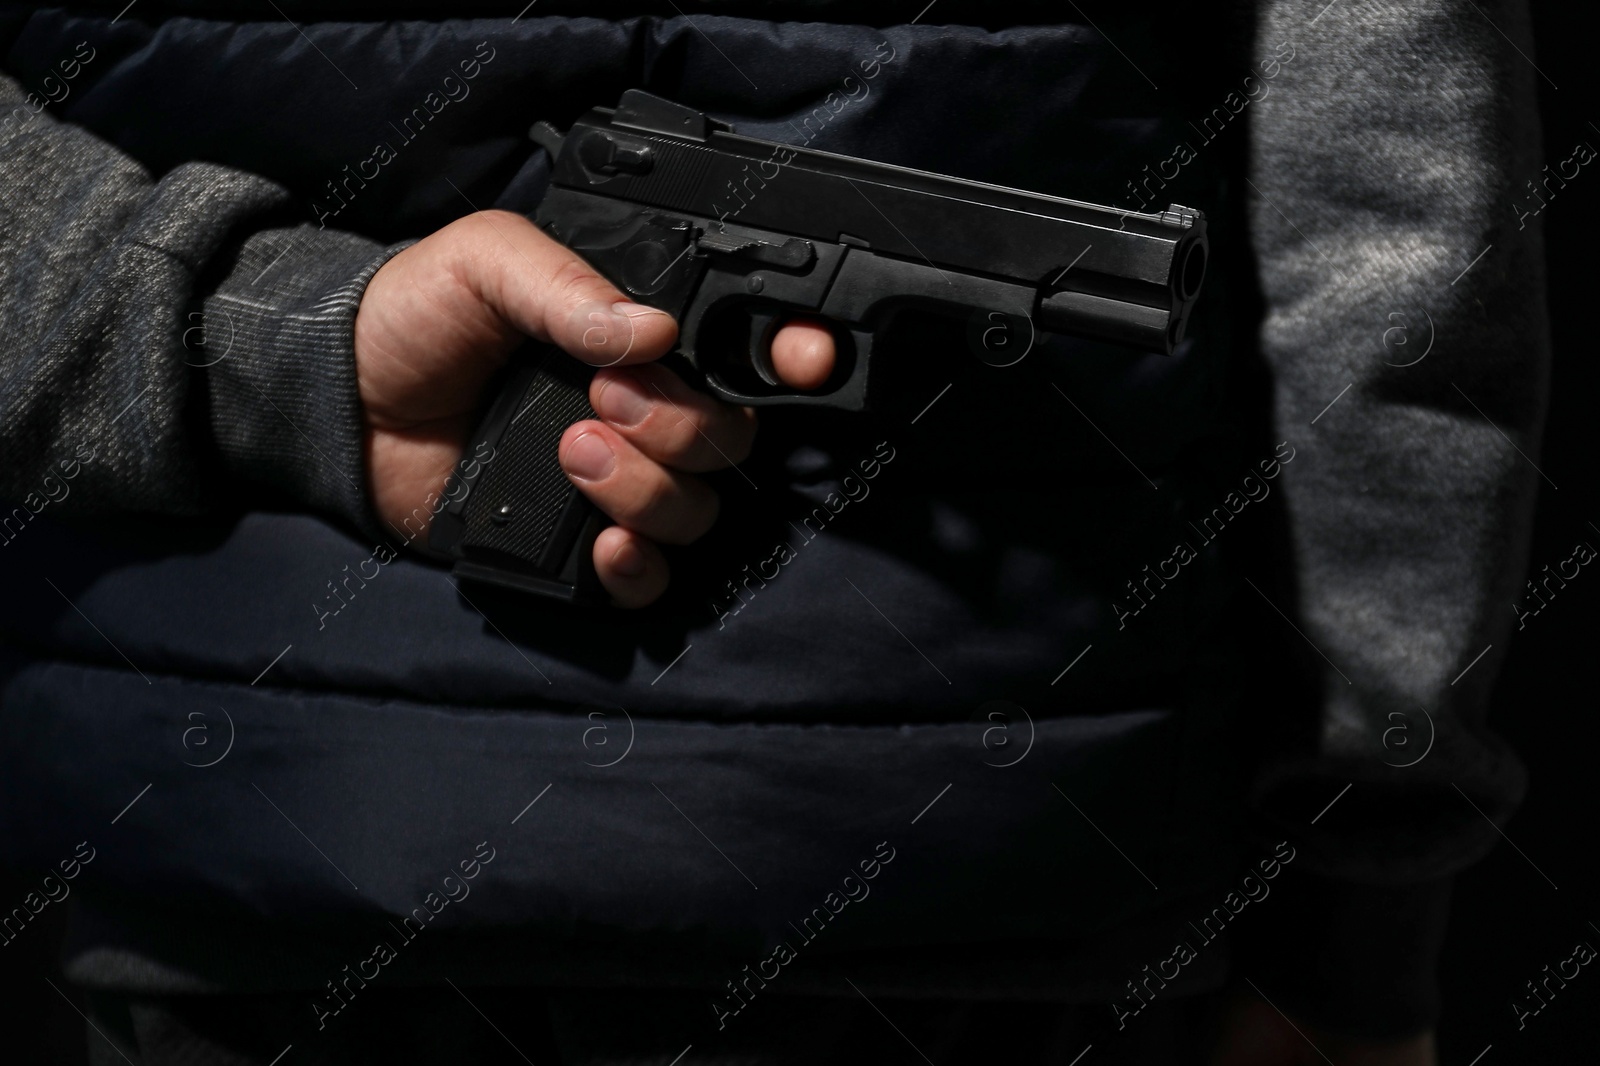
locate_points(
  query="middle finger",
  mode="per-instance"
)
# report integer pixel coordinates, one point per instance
(635, 490)
(677, 426)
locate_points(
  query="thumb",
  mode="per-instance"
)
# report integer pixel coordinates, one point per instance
(547, 291)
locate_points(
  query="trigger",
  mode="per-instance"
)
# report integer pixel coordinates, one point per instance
(763, 327)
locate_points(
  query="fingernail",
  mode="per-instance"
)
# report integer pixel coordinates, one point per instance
(628, 309)
(608, 331)
(628, 560)
(590, 458)
(621, 402)
(607, 335)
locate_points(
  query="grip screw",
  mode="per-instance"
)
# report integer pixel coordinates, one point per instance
(503, 514)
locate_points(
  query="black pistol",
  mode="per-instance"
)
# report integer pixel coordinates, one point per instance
(730, 235)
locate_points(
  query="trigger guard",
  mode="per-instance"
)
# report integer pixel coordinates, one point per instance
(763, 327)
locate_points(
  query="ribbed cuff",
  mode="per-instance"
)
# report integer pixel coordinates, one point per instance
(1353, 959)
(277, 344)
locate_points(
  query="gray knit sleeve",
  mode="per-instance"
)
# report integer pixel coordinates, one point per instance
(164, 344)
(1406, 334)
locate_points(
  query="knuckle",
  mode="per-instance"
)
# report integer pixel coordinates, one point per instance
(644, 511)
(672, 513)
(680, 430)
(726, 434)
(698, 432)
(487, 223)
(574, 282)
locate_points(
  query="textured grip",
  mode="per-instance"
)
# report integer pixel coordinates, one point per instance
(521, 523)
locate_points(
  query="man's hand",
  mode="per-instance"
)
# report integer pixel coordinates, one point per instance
(442, 316)
(1255, 1034)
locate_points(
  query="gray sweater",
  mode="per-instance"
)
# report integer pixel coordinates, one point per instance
(1384, 166)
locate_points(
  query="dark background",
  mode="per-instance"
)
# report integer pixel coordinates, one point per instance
(1508, 920)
